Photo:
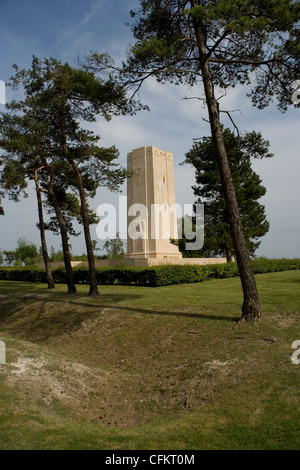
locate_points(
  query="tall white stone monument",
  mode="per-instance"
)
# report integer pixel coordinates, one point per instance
(151, 186)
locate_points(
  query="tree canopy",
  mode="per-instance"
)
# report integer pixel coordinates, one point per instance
(26, 252)
(245, 41)
(240, 151)
(114, 248)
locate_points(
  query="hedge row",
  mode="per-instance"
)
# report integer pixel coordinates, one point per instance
(124, 276)
(154, 277)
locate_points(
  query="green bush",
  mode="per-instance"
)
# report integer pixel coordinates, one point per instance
(23, 275)
(153, 277)
(264, 265)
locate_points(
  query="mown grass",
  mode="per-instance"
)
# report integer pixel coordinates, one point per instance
(150, 368)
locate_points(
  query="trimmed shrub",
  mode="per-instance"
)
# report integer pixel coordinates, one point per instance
(23, 275)
(152, 277)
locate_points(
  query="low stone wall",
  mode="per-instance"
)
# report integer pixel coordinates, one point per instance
(143, 263)
(148, 262)
(177, 261)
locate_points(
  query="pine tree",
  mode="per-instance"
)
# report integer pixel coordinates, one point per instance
(248, 188)
(220, 43)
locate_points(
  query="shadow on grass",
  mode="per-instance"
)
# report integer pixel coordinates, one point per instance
(37, 315)
(48, 315)
(109, 301)
(199, 316)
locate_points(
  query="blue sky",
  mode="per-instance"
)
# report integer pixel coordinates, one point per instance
(66, 29)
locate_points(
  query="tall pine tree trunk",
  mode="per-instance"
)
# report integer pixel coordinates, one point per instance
(49, 275)
(251, 309)
(84, 211)
(87, 234)
(64, 238)
(228, 254)
(59, 215)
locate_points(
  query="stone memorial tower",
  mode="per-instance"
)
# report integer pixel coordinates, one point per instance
(152, 186)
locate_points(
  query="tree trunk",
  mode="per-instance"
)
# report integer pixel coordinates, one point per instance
(49, 275)
(84, 211)
(251, 309)
(64, 238)
(87, 234)
(228, 254)
(59, 215)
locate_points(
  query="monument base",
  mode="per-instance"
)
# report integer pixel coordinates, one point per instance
(154, 256)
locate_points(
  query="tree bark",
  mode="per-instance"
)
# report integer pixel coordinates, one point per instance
(49, 275)
(84, 212)
(251, 309)
(59, 215)
(86, 226)
(228, 254)
(64, 238)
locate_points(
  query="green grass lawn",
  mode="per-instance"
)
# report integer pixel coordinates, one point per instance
(150, 368)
